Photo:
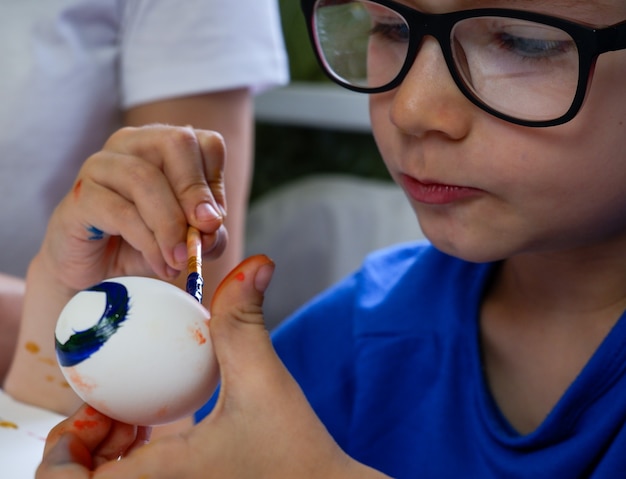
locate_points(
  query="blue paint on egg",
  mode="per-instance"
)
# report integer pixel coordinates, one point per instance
(82, 344)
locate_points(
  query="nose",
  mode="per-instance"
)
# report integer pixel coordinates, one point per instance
(428, 100)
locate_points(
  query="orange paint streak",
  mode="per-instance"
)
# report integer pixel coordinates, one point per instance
(240, 276)
(48, 361)
(198, 336)
(32, 347)
(90, 411)
(86, 424)
(8, 425)
(77, 188)
(80, 382)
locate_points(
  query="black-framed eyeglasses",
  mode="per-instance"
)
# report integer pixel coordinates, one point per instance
(527, 68)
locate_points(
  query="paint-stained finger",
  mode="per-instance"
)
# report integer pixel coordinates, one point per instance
(66, 458)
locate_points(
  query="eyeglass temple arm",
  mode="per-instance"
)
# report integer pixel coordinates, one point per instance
(612, 38)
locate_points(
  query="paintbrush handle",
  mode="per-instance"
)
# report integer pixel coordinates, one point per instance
(194, 263)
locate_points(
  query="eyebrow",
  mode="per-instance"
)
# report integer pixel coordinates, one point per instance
(581, 5)
(572, 8)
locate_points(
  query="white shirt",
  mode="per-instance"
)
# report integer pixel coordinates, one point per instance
(70, 66)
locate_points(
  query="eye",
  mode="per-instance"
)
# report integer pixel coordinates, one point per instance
(396, 32)
(533, 47)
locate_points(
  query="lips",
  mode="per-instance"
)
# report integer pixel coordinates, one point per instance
(433, 193)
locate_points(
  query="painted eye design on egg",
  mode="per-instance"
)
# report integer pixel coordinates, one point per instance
(82, 344)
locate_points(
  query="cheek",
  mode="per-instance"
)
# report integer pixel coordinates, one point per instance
(382, 128)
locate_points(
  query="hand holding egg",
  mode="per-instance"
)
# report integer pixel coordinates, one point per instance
(138, 350)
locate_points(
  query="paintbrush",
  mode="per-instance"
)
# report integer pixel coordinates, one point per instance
(194, 263)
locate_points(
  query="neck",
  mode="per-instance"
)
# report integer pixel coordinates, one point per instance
(542, 319)
(564, 283)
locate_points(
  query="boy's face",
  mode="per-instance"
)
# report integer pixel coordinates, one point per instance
(485, 189)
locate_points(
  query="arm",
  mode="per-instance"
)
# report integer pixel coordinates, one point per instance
(11, 299)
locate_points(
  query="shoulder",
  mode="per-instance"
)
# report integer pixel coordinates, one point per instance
(390, 284)
(415, 287)
(399, 294)
(410, 289)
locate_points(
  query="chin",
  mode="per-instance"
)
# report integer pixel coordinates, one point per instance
(470, 249)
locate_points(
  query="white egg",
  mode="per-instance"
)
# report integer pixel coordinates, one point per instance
(138, 350)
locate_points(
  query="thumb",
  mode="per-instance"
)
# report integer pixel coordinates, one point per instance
(238, 333)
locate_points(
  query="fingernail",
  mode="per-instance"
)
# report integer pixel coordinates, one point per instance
(206, 212)
(263, 277)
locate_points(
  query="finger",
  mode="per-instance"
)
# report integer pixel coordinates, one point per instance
(133, 196)
(192, 161)
(168, 457)
(213, 151)
(122, 438)
(237, 329)
(70, 444)
(67, 458)
(89, 425)
(142, 438)
(213, 245)
(109, 213)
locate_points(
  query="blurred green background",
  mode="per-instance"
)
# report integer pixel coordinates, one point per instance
(284, 154)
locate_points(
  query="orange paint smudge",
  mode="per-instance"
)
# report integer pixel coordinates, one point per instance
(238, 274)
(48, 361)
(80, 382)
(90, 411)
(8, 425)
(32, 347)
(65, 384)
(50, 378)
(162, 412)
(81, 425)
(77, 188)
(198, 336)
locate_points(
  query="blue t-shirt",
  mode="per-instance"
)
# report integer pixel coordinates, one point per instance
(390, 361)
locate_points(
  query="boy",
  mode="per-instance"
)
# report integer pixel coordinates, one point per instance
(495, 352)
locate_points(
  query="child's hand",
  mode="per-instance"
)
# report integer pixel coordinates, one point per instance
(85, 441)
(132, 202)
(262, 425)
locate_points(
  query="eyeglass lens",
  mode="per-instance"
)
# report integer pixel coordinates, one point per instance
(520, 68)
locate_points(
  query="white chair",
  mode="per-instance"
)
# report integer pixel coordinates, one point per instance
(319, 229)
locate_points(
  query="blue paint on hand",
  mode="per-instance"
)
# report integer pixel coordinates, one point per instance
(95, 234)
(82, 344)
